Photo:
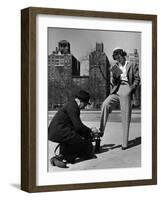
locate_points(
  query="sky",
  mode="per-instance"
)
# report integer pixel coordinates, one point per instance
(82, 42)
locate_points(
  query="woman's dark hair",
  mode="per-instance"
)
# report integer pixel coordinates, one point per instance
(120, 52)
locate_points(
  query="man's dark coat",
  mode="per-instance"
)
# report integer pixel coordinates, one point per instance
(67, 123)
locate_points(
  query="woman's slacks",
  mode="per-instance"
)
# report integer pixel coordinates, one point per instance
(122, 97)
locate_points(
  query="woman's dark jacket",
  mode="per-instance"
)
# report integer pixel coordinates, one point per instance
(66, 123)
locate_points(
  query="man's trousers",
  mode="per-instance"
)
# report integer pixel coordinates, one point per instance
(76, 147)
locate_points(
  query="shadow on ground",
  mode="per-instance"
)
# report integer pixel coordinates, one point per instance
(107, 147)
(84, 159)
(131, 143)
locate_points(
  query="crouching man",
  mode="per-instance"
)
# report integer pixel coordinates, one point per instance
(67, 129)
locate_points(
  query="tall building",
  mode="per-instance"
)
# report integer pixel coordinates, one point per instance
(99, 75)
(80, 82)
(62, 65)
(134, 57)
(64, 77)
(84, 67)
(64, 47)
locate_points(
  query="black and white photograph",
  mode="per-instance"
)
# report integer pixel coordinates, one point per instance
(89, 99)
(94, 99)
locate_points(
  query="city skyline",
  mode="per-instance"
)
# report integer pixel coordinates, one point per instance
(84, 41)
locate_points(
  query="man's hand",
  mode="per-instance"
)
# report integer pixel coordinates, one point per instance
(95, 132)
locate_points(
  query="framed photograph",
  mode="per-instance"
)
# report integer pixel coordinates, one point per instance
(88, 99)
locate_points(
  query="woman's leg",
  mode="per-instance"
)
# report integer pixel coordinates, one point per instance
(125, 102)
(107, 106)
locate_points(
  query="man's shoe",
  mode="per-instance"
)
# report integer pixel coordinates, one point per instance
(71, 159)
(57, 161)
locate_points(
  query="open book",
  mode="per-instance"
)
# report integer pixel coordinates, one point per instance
(116, 71)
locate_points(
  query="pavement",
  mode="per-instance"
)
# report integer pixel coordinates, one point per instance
(111, 154)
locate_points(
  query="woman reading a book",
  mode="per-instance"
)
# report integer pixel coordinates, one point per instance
(125, 79)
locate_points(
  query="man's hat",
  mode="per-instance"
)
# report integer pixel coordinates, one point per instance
(83, 96)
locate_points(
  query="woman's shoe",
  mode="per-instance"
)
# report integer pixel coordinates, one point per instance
(100, 133)
(124, 148)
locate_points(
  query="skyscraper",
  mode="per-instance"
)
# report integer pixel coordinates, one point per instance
(99, 75)
(62, 65)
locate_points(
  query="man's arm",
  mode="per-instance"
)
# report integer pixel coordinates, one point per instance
(74, 114)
